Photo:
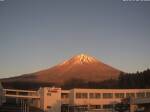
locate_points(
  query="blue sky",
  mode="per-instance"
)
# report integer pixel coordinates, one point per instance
(37, 34)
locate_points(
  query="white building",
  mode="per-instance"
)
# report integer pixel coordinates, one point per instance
(50, 99)
(101, 98)
(57, 100)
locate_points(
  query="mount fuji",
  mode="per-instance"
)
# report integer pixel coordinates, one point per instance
(82, 67)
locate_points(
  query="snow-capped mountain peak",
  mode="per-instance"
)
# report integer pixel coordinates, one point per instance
(83, 58)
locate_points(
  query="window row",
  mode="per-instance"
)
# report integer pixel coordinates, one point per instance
(111, 95)
(93, 95)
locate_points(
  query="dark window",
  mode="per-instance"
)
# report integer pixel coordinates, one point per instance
(97, 95)
(95, 106)
(84, 95)
(64, 95)
(107, 95)
(91, 95)
(107, 106)
(48, 94)
(130, 95)
(48, 107)
(119, 95)
(78, 95)
(81, 95)
(140, 95)
(147, 94)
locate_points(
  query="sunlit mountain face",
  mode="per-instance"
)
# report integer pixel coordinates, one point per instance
(82, 67)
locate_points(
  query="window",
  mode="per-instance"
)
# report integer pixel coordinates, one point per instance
(97, 95)
(140, 95)
(48, 94)
(78, 95)
(119, 95)
(95, 106)
(64, 95)
(81, 95)
(130, 95)
(84, 95)
(91, 95)
(98, 106)
(107, 95)
(147, 94)
(107, 106)
(48, 107)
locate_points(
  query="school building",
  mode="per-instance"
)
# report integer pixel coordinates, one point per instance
(51, 99)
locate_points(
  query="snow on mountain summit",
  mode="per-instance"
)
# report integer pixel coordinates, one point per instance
(81, 59)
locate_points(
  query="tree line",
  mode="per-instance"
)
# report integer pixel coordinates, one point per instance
(135, 80)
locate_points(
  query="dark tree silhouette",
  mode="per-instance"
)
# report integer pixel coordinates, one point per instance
(135, 80)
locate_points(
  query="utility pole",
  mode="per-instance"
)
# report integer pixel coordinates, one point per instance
(68, 108)
(21, 104)
(27, 107)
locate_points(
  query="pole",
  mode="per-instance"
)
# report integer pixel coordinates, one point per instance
(25, 107)
(21, 104)
(68, 108)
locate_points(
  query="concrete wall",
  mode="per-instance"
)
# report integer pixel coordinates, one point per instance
(51, 99)
(102, 101)
(65, 96)
(34, 102)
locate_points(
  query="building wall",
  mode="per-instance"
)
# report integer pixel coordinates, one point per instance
(65, 96)
(34, 102)
(104, 97)
(50, 99)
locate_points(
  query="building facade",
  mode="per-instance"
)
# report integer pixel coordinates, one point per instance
(58, 100)
(97, 99)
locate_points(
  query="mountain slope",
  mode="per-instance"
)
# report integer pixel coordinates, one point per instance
(82, 67)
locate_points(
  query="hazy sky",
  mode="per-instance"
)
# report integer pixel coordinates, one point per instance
(37, 34)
